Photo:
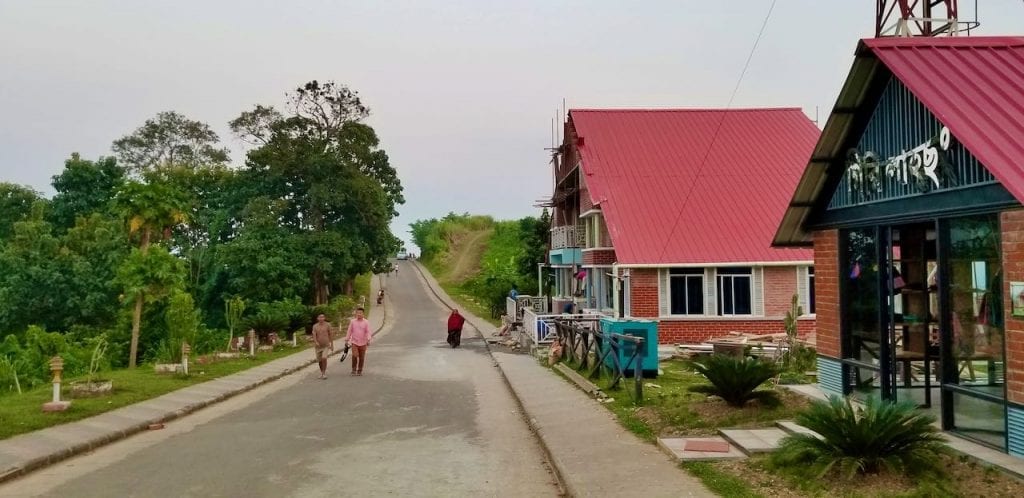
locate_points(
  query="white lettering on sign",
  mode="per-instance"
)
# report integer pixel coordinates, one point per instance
(921, 167)
(921, 160)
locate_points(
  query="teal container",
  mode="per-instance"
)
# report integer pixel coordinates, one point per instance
(648, 329)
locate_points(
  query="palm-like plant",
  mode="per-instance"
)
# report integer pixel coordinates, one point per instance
(148, 209)
(881, 435)
(736, 379)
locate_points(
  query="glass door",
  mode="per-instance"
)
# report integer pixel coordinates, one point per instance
(912, 301)
(867, 342)
(974, 387)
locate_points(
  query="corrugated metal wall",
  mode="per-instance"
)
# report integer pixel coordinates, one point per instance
(900, 123)
(1015, 430)
(830, 375)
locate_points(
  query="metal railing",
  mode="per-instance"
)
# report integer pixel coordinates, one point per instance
(589, 349)
(540, 328)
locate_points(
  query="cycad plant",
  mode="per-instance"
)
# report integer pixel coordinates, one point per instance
(880, 436)
(736, 379)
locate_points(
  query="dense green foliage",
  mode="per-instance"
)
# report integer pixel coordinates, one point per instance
(509, 259)
(736, 380)
(881, 435)
(146, 249)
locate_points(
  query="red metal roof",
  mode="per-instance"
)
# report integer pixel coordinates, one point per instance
(642, 166)
(974, 86)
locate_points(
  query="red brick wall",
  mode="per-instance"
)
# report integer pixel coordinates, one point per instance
(696, 331)
(585, 203)
(600, 258)
(1012, 225)
(779, 287)
(826, 291)
(643, 288)
(643, 293)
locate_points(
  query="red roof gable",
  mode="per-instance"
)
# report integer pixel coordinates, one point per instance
(642, 166)
(974, 86)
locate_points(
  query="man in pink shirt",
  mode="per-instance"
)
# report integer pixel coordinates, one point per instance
(358, 337)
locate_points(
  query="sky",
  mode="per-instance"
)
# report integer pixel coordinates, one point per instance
(462, 92)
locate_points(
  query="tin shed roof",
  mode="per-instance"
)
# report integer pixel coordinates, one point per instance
(973, 85)
(694, 186)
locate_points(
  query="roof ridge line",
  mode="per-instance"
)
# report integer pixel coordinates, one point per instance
(684, 109)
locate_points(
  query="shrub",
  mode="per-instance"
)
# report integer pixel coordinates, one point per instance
(182, 323)
(98, 361)
(736, 379)
(210, 340)
(881, 435)
(264, 323)
(290, 312)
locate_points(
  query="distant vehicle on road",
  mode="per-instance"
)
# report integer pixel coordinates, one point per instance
(403, 255)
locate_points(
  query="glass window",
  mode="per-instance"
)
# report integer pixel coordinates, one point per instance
(861, 296)
(686, 291)
(810, 290)
(976, 302)
(734, 291)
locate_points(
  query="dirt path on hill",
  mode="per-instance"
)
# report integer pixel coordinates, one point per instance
(468, 260)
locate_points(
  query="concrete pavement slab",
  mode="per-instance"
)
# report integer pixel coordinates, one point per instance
(752, 441)
(676, 446)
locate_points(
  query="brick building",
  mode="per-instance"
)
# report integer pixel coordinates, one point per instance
(669, 215)
(912, 203)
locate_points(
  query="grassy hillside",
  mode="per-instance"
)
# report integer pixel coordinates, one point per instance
(477, 259)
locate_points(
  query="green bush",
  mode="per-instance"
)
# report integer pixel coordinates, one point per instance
(264, 323)
(880, 436)
(800, 359)
(183, 322)
(210, 340)
(736, 379)
(290, 313)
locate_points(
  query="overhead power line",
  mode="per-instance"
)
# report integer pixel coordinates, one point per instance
(718, 128)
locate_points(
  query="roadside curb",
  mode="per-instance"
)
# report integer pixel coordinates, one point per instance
(114, 435)
(557, 469)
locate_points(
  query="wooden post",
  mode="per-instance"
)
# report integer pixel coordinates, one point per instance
(185, 350)
(252, 342)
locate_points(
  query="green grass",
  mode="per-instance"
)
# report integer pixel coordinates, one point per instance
(21, 413)
(721, 482)
(467, 302)
(675, 407)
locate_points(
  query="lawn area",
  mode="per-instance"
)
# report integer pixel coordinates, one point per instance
(671, 409)
(23, 413)
(466, 301)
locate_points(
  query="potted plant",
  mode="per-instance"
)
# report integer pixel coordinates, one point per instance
(93, 385)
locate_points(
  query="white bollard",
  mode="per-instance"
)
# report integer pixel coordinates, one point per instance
(56, 366)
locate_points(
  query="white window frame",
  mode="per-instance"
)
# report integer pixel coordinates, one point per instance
(668, 291)
(804, 285)
(720, 278)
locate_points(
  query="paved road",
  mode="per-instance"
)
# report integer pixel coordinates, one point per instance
(423, 420)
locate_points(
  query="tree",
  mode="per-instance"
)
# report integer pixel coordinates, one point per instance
(336, 187)
(83, 188)
(150, 210)
(170, 139)
(147, 276)
(264, 262)
(31, 282)
(16, 204)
